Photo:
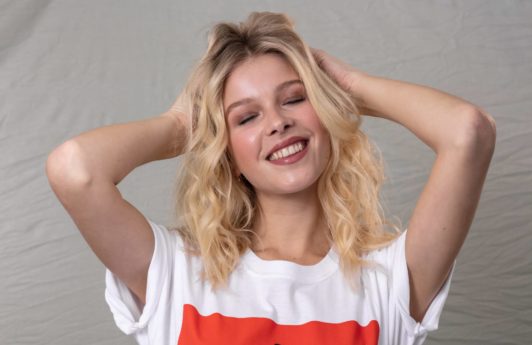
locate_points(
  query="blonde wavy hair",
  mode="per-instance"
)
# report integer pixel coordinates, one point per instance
(216, 211)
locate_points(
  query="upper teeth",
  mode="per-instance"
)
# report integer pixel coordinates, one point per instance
(287, 151)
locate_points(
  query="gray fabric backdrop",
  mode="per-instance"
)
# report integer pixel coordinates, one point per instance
(70, 66)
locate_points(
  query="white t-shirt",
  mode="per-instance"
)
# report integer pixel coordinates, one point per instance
(271, 301)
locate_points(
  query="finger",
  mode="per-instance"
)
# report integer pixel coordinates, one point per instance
(319, 55)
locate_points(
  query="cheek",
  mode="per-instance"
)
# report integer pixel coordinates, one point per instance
(315, 123)
(245, 148)
(325, 148)
(323, 137)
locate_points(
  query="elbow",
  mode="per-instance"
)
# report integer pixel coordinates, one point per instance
(66, 168)
(478, 131)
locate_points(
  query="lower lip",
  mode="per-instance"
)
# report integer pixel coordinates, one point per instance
(291, 159)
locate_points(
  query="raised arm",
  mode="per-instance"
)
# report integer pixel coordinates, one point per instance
(463, 137)
(84, 171)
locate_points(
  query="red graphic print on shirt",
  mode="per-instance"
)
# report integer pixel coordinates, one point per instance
(217, 329)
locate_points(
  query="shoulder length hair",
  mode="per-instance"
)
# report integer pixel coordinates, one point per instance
(216, 211)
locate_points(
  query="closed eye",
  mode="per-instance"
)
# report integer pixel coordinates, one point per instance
(295, 100)
(247, 118)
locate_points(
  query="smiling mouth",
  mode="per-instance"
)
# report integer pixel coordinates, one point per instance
(288, 150)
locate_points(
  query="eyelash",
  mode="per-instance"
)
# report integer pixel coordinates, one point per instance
(251, 116)
(247, 118)
(295, 100)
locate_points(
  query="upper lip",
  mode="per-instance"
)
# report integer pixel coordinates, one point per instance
(285, 143)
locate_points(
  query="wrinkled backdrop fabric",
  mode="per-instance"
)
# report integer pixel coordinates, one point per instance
(71, 66)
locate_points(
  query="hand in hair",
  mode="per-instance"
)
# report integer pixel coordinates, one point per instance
(179, 109)
(180, 114)
(348, 77)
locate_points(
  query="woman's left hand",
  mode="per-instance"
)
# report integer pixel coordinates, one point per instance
(348, 77)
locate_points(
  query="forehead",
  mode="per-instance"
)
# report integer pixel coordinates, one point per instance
(257, 76)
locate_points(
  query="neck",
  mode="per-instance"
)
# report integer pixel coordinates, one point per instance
(291, 227)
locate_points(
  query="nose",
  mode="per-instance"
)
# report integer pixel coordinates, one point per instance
(278, 122)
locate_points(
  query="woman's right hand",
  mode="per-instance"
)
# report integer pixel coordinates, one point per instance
(179, 108)
(179, 113)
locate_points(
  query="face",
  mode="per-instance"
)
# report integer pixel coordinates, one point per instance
(275, 137)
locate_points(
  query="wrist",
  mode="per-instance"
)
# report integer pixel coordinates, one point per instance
(359, 85)
(179, 133)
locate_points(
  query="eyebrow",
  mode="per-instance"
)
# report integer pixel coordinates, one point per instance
(279, 87)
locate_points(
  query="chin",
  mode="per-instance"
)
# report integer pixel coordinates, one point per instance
(289, 188)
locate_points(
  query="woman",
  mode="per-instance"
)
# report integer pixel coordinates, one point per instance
(281, 239)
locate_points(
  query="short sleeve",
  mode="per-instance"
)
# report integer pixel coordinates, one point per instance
(401, 295)
(128, 315)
